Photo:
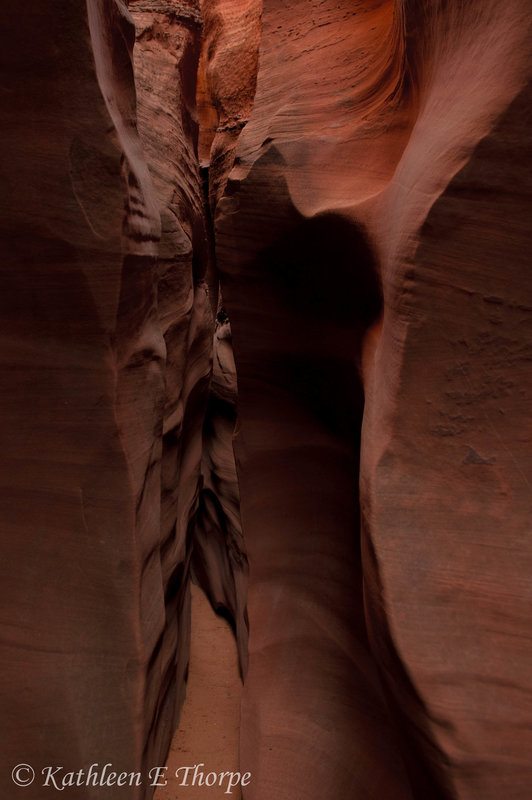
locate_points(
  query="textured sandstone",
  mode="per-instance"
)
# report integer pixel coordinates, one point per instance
(226, 81)
(200, 516)
(219, 559)
(107, 340)
(363, 166)
(380, 153)
(83, 604)
(166, 59)
(116, 449)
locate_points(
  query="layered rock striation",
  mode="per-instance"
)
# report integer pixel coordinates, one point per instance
(266, 326)
(372, 242)
(107, 342)
(82, 399)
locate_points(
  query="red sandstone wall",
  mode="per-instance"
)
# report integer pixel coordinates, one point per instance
(368, 212)
(376, 219)
(107, 350)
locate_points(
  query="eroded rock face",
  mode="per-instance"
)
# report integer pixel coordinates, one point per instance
(368, 212)
(227, 78)
(374, 225)
(114, 440)
(83, 396)
(107, 341)
(166, 54)
(220, 562)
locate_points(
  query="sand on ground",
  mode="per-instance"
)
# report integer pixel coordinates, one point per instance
(209, 726)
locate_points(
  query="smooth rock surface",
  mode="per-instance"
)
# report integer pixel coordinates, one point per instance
(82, 398)
(107, 347)
(376, 224)
(357, 174)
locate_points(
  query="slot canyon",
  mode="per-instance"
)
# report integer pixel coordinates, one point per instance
(266, 327)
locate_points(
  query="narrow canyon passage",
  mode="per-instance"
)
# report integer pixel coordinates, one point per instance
(265, 328)
(299, 309)
(208, 730)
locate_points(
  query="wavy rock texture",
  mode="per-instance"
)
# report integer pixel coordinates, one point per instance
(107, 344)
(227, 77)
(116, 450)
(368, 211)
(166, 54)
(200, 502)
(372, 239)
(82, 399)
(220, 562)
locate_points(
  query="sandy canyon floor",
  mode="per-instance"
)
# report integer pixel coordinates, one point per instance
(208, 730)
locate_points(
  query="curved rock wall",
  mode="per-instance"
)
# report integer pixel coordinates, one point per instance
(166, 54)
(374, 224)
(355, 173)
(83, 396)
(107, 340)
